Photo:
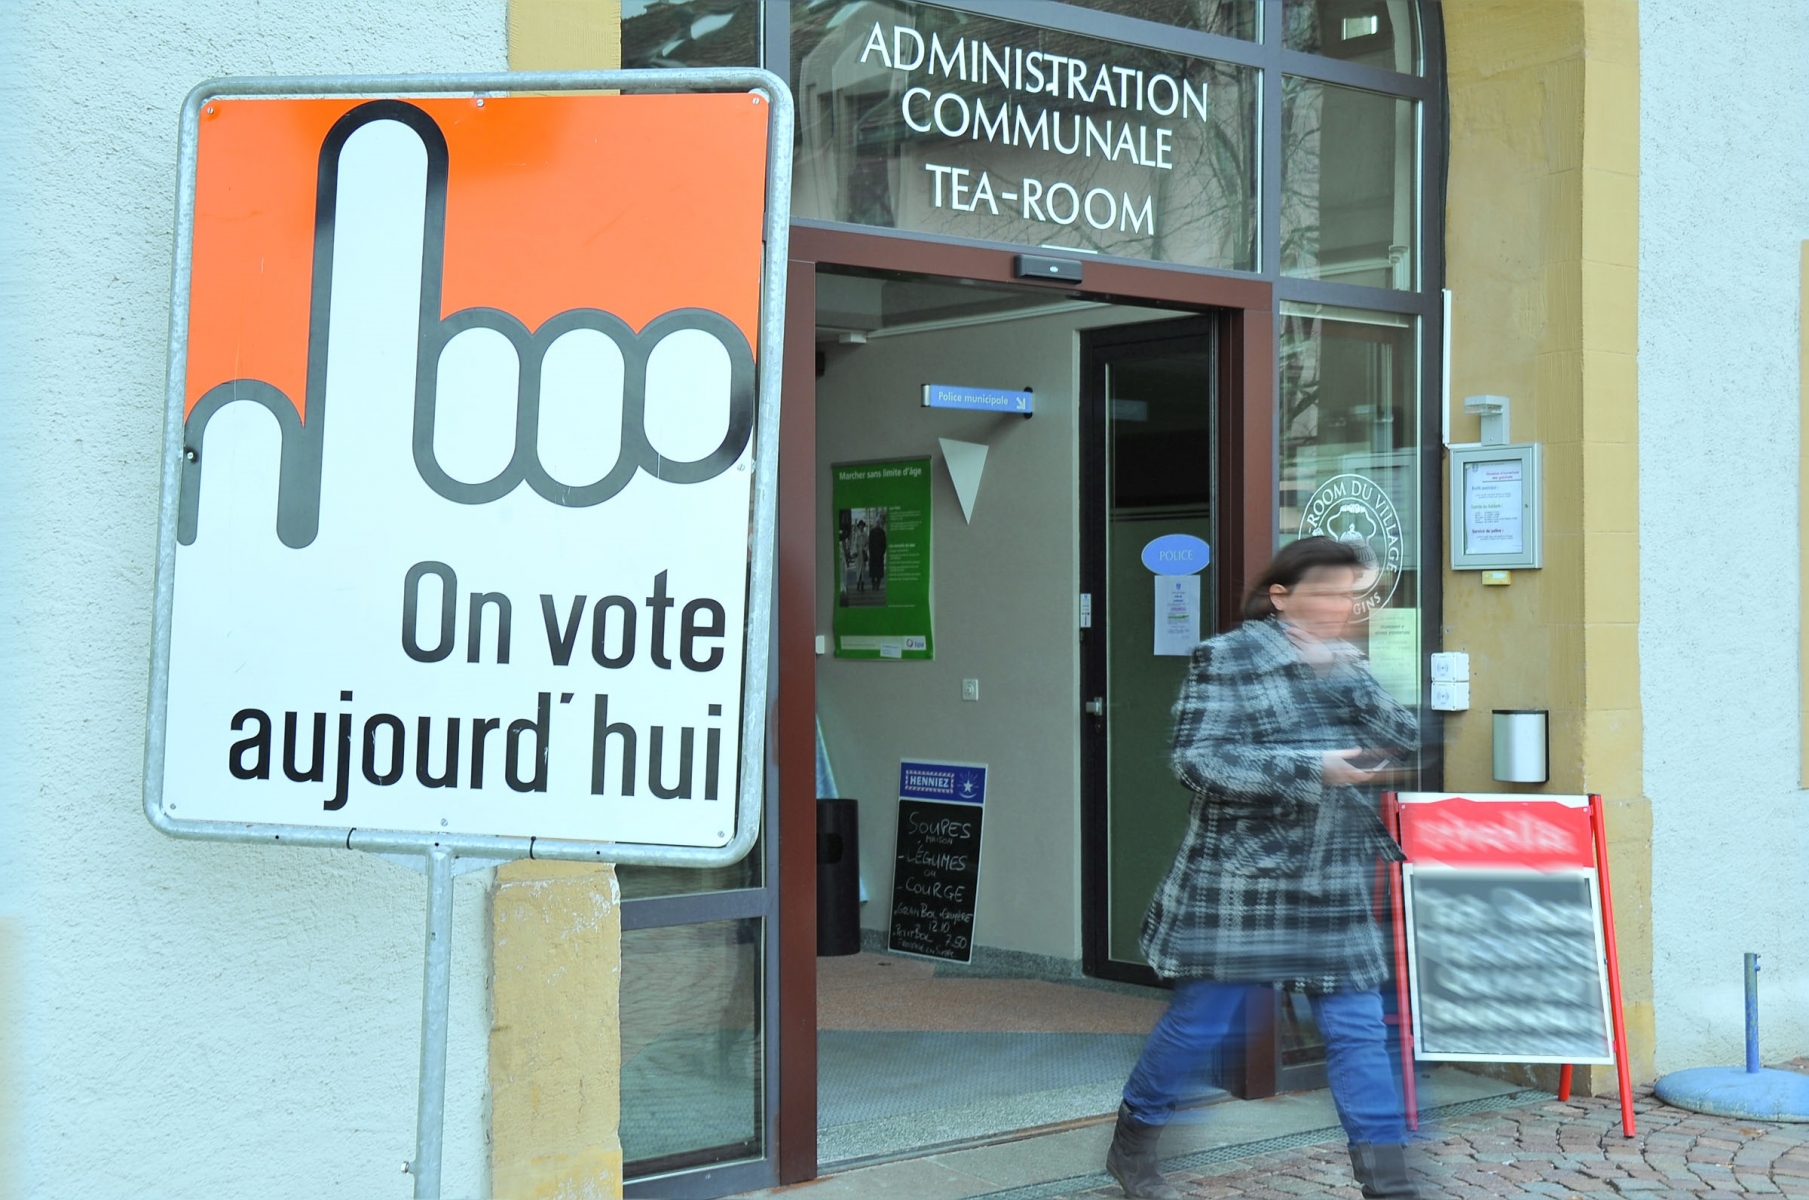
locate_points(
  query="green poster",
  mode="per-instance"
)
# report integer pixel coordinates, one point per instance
(882, 559)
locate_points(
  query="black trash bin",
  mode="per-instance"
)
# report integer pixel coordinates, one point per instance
(838, 877)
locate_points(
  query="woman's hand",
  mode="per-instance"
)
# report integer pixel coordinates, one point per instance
(1338, 770)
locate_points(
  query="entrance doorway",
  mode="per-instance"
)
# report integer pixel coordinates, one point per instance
(1007, 1031)
(882, 1054)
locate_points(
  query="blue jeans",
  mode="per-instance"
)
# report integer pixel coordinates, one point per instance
(1204, 1014)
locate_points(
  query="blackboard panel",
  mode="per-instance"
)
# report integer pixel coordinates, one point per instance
(1507, 966)
(935, 874)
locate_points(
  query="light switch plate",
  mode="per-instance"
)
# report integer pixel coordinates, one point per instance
(1450, 666)
(970, 689)
(1451, 697)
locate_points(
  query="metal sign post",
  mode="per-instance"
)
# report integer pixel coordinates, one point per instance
(504, 350)
(436, 999)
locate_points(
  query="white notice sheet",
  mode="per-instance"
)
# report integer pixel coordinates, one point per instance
(1493, 507)
(1394, 652)
(1177, 614)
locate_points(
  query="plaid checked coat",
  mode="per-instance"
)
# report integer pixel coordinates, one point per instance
(1274, 879)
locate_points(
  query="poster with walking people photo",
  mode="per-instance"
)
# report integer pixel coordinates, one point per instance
(882, 559)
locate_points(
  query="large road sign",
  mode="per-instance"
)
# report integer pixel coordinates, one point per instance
(470, 466)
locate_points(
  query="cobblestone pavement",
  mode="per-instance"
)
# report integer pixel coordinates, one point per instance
(1548, 1151)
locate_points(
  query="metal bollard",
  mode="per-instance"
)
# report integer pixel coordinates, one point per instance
(1752, 1014)
(1756, 1093)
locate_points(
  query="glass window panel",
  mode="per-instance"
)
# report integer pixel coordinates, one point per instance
(642, 883)
(691, 1045)
(1301, 1042)
(1006, 132)
(1347, 185)
(1376, 33)
(690, 33)
(1350, 464)
(1232, 18)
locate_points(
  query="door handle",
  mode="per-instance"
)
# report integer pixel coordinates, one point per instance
(1095, 707)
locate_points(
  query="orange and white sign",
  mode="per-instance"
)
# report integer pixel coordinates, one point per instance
(462, 535)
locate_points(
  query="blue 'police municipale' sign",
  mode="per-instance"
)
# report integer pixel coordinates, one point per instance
(947, 395)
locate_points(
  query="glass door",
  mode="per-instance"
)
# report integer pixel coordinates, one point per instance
(1154, 487)
(1148, 495)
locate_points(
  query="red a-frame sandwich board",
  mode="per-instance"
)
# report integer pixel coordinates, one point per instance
(1516, 830)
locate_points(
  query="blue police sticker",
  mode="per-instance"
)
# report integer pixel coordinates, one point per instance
(1177, 554)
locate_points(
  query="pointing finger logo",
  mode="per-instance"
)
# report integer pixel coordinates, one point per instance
(443, 344)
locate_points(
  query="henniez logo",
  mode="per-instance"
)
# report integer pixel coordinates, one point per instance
(303, 437)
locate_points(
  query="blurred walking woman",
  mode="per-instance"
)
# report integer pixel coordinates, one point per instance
(1273, 881)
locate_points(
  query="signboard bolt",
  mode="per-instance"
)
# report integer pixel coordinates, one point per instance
(190, 454)
(480, 101)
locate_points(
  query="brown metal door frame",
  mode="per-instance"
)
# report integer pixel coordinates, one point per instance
(1247, 433)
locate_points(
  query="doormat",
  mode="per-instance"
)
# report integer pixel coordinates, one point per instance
(1291, 1141)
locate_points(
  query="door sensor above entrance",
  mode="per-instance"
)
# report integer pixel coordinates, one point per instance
(1043, 266)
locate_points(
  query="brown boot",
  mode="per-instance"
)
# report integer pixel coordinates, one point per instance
(1381, 1172)
(1132, 1159)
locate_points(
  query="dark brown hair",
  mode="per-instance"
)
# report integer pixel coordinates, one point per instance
(1294, 561)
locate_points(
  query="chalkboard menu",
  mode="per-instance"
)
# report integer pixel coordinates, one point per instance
(936, 863)
(1507, 966)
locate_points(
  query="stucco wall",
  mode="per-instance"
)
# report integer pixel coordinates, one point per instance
(1724, 206)
(193, 1020)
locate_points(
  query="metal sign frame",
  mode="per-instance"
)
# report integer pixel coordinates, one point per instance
(438, 855)
(1531, 554)
(1595, 863)
(757, 666)
(1410, 871)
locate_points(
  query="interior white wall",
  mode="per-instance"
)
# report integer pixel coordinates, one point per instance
(1006, 613)
(1723, 210)
(189, 1019)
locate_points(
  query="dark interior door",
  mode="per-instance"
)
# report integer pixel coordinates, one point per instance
(1149, 399)
(1151, 466)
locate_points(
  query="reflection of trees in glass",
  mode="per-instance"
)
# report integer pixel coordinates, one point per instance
(1344, 385)
(690, 33)
(1231, 18)
(859, 161)
(1347, 185)
(1302, 117)
(1299, 384)
(1378, 34)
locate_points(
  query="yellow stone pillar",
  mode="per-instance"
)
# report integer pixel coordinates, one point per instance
(565, 35)
(1542, 255)
(556, 928)
(555, 1032)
